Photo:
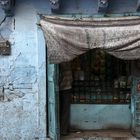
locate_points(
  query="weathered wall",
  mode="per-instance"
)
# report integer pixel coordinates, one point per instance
(22, 75)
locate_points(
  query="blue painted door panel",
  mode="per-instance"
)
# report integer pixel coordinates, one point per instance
(100, 117)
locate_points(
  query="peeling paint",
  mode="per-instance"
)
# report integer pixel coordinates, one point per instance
(22, 80)
(10, 95)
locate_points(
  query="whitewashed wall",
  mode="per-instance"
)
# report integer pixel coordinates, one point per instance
(22, 75)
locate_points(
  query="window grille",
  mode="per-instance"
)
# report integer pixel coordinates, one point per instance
(101, 79)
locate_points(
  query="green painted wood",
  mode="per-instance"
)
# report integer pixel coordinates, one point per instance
(52, 103)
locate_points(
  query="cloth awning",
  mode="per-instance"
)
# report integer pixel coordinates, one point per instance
(67, 38)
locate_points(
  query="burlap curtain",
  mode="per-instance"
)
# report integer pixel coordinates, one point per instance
(67, 38)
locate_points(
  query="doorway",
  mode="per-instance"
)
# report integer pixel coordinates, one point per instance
(101, 93)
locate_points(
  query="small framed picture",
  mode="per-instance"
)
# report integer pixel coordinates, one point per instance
(138, 87)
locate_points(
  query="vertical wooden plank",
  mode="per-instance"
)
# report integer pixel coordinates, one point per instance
(52, 102)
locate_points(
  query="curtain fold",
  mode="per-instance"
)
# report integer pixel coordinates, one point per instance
(67, 38)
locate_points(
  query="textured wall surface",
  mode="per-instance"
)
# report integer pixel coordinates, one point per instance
(22, 76)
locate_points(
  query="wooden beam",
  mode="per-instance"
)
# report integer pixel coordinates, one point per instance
(138, 5)
(55, 5)
(102, 6)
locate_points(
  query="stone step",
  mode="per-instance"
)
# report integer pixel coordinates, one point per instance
(100, 135)
(99, 138)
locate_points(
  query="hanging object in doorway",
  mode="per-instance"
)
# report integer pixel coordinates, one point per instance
(138, 87)
(67, 38)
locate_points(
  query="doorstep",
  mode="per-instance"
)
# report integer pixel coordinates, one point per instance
(100, 135)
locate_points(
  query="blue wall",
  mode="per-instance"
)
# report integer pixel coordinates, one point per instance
(23, 73)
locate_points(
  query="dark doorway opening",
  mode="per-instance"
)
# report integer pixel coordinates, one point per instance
(98, 79)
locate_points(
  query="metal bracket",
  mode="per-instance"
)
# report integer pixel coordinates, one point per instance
(102, 6)
(5, 48)
(55, 5)
(7, 6)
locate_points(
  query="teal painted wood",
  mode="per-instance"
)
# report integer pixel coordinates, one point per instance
(100, 117)
(52, 102)
(135, 107)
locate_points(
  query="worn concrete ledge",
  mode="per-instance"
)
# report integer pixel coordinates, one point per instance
(100, 138)
(100, 135)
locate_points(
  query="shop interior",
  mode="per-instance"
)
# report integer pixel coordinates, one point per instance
(99, 78)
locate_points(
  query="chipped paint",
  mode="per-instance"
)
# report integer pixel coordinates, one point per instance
(22, 77)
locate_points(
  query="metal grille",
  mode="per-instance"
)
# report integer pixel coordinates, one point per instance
(100, 79)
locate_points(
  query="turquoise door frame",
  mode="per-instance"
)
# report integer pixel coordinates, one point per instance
(135, 106)
(53, 102)
(53, 105)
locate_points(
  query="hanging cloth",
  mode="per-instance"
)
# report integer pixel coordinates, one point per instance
(66, 38)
